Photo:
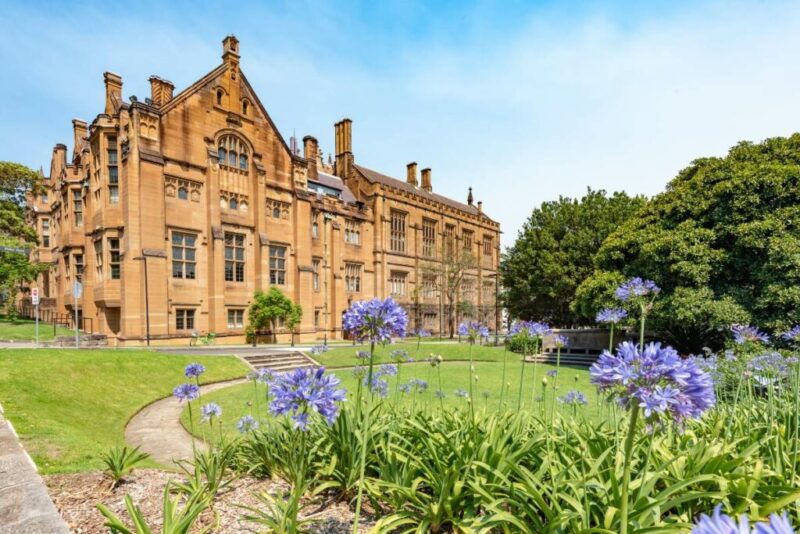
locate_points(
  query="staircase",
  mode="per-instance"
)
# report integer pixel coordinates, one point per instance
(583, 358)
(280, 361)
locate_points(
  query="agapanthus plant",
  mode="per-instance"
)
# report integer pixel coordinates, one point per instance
(611, 317)
(302, 392)
(748, 334)
(719, 523)
(641, 293)
(210, 411)
(420, 333)
(246, 424)
(527, 332)
(186, 392)
(194, 370)
(656, 382)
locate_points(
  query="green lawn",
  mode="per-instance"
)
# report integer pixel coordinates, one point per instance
(70, 406)
(246, 399)
(346, 356)
(25, 330)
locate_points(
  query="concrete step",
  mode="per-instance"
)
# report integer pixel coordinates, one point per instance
(283, 361)
(283, 368)
(275, 358)
(586, 360)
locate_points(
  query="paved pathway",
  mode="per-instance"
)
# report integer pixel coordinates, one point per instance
(25, 506)
(158, 431)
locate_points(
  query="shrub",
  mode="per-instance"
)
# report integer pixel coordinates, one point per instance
(120, 461)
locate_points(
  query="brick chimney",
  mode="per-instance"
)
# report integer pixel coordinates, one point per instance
(480, 206)
(311, 154)
(160, 90)
(344, 148)
(470, 198)
(79, 133)
(113, 92)
(426, 180)
(411, 173)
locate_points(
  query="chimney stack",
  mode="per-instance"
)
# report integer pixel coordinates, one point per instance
(113, 84)
(411, 173)
(79, 133)
(426, 180)
(470, 198)
(344, 148)
(480, 206)
(311, 154)
(160, 90)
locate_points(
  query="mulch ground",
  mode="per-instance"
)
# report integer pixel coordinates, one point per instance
(76, 496)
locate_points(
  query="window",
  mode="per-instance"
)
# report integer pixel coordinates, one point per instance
(44, 198)
(467, 239)
(429, 321)
(488, 291)
(77, 207)
(428, 238)
(352, 232)
(233, 204)
(234, 257)
(467, 289)
(316, 318)
(278, 209)
(235, 318)
(46, 233)
(314, 230)
(78, 265)
(184, 319)
(397, 284)
(277, 265)
(352, 277)
(113, 171)
(114, 258)
(487, 246)
(449, 239)
(397, 235)
(245, 105)
(315, 274)
(98, 259)
(429, 286)
(219, 97)
(232, 152)
(184, 260)
(183, 194)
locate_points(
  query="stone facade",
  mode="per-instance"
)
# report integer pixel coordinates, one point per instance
(185, 204)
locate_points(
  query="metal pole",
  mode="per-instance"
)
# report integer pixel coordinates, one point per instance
(75, 304)
(146, 301)
(36, 311)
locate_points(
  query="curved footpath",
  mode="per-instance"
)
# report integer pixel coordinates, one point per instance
(158, 431)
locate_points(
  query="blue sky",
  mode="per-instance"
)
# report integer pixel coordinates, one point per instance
(523, 101)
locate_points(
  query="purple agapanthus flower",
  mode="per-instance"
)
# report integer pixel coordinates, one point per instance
(246, 424)
(529, 329)
(611, 315)
(194, 370)
(462, 393)
(473, 330)
(421, 332)
(769, 364)
(656, 380)
(210, 410)
(362, 355)
(745, 333)
(573, 397)
(375, 320)
(318, 349)
(552, 373)
(379, 385)
(400, 355)
(186, 392)
(635, 288)
(792, 335)
(264, 375)
(719, 523)
(560, 341)
(303, 391)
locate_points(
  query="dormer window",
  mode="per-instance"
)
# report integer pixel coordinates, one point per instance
(233, 152)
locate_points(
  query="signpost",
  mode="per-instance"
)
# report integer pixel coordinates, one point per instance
(77, 290)
(35, 302)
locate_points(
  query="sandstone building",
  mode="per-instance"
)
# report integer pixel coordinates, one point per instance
(199, 193)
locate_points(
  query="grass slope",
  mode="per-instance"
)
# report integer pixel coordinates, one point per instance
(346, 356)
(70, 406)
(25, 330)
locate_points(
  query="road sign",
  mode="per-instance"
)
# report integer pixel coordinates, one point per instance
(35, 296)
(77, 290)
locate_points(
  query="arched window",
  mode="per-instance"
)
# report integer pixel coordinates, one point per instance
(219, 97)
(233, 152)
(244, 107)
(243, 206)
(183, 194)
(276, 212)
(223, 202)
(233, 204)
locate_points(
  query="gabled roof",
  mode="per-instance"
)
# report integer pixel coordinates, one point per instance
(376, 177)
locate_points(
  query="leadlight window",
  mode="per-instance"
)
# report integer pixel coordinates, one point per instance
(184, 255)
(183, 194)
(113, 171)
(98, 259)
(488, 291)
(233, 152)
(397, 283)
(352, 277)
(449, 238)
(236, 318)
(46, 233)
(233, 204)
(234, 257)
(397, 241)
(429, 286)
(315, 264)
(277, 265)
(467, 238)
(487, 246)
(114, 258)
(352, 232)
(428, 238)
(184, 319)
(77, 207)
(78, 265)
(467, 289)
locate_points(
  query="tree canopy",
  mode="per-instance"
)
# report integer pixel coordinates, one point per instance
(270, 307)
(554, 252)
(723, 242)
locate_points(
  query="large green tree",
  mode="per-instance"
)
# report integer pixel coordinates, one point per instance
(554, 252)
(723, 242)
(267, 309)
(16, 235)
